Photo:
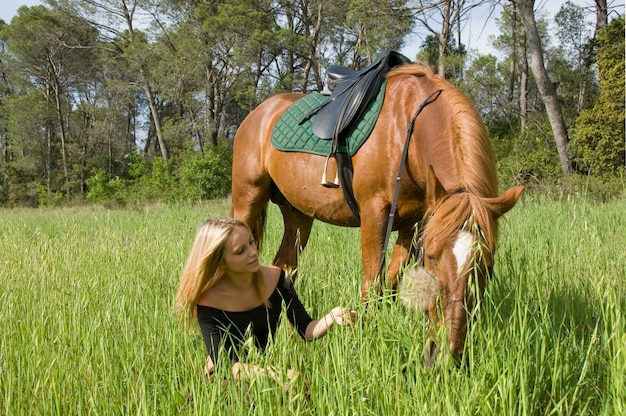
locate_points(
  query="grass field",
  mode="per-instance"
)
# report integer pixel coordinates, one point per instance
(88, 326)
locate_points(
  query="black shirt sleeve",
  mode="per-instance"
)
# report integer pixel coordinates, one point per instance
(297, 315)
(211, 331)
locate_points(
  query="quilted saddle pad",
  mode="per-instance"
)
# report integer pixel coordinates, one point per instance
(292, 135)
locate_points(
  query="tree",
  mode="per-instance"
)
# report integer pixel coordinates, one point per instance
(376, 26)
(598, 144)
(512, 42)
(117, 23)
(358, 30)
(544, 84)
(56, 50)
(576, 43)
(440, 19)
(486, 88)
(453, 58)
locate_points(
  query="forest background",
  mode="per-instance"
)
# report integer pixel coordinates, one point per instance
(133, 101)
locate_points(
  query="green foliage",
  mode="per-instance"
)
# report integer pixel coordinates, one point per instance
(205, 176)
(598, 142)
(594, 188)
(377, 25)
(528, 158)
(47, 198)
(454, 56)
(98, 186)
(74, 109)
(484, 85)
(102, 190)
(194, 177)
(155, 185)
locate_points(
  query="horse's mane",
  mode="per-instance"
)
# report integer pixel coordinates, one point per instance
(464, 208)
(461, 210)
(477, 173)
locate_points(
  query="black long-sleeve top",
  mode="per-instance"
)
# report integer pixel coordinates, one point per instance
(230, 328)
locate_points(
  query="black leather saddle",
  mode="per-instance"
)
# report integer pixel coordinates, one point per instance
(351, 90)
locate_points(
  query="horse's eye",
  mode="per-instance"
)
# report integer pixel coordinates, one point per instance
(432, 260)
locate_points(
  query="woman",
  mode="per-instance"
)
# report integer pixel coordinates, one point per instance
(225, 288)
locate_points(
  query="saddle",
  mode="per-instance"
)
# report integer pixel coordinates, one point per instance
(351, 92)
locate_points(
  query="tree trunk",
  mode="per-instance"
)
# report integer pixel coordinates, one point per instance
(155, 119)
(57, 102)
(588, 59)
(602, 17)
(523, 69)
(523, 89)
(49, 135)
(128, 12)
(459, 44)
(514, 48)
(312, 64)
(544, 84)
(443, 37)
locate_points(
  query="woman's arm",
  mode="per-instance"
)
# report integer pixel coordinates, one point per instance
(319, 327)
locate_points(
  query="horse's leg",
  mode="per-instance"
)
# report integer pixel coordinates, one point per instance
(373, 224)
(249, 200)
(402, 251)
(297, 229)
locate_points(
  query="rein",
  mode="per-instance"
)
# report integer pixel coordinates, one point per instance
(392, 213)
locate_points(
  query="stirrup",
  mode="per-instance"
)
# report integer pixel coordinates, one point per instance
(324, 182)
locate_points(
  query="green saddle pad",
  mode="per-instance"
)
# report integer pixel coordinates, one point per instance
(289, 136)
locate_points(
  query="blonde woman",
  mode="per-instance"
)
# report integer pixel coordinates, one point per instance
(229, 293)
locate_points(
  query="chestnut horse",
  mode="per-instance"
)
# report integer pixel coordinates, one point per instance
(448, 194)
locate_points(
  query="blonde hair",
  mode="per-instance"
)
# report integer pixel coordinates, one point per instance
(205, 266)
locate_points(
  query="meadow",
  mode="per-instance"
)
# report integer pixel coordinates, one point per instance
(86, 311)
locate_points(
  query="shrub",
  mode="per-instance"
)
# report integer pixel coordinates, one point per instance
(205, 176)
(192, 177)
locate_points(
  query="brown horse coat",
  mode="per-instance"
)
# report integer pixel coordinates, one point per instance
(449, 179)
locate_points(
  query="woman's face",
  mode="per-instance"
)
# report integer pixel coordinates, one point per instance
(240, 252)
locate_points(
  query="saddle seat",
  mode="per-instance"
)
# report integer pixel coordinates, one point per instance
(351, 91)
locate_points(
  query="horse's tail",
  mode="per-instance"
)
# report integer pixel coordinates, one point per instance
(259, 227)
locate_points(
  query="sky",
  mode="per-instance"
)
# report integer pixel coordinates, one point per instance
(482, 25)
(475, 36)
(8, 8)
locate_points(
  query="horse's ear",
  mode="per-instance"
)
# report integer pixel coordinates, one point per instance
(503, 203)
(434, 188)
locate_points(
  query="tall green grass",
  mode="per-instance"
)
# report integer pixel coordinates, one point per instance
(88, 326)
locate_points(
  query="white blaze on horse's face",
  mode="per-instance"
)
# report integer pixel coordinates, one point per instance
(462, 249)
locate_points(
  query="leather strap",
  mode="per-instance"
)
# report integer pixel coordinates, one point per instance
(392, 212)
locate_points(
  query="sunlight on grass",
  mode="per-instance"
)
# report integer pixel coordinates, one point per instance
(88, 328)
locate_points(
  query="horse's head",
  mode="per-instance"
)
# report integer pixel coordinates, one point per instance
(458, 241)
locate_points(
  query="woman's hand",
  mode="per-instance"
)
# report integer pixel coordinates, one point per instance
(339, 315)
(209, 367)
(343, 317)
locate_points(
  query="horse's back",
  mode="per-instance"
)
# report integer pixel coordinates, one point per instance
(253, 137)
(261, 121)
